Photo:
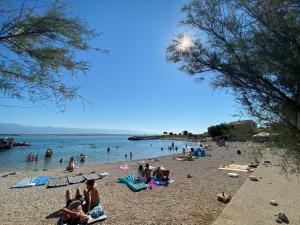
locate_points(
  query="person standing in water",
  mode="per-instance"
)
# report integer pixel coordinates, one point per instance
(130, 155)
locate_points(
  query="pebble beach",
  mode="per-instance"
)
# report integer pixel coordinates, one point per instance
(186, 201)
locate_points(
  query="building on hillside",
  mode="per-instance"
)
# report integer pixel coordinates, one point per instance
(249, 123)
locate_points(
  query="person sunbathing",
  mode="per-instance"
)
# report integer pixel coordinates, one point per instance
(73, 212)
(91, 195)
(141, 174)
(147, 172)
(161, 173)
(70, 167)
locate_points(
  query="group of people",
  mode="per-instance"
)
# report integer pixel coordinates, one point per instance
(144, 173)
(79, 204)
(130, 155)
(31, 157)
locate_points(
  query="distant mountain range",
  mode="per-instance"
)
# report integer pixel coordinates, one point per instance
(11, 128)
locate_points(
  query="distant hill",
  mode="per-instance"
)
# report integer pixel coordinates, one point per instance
(11, 128)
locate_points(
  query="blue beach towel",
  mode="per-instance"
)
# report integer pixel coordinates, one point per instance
(26, 182)
(42, 180)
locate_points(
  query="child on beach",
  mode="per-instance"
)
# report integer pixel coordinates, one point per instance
(91, 195)
(147, 173)
(141, 174)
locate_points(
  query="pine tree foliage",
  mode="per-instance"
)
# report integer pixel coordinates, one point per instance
(39, 49)
(251, 47)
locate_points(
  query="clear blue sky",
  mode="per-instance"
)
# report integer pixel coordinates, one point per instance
(133, 87)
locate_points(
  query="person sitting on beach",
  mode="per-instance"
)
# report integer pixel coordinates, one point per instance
(71, 166)
(91, 195)
(73, 212)
(161, 173)
(147, 172)
(141, 174)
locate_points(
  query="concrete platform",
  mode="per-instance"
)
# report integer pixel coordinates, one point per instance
(250, 205)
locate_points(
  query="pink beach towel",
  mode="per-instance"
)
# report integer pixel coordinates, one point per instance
(152, 185)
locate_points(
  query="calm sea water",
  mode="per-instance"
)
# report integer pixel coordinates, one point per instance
(65, 146)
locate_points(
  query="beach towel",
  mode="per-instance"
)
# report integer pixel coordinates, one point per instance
(57, 182)
(180, 158)
(159, 181)
(133, 183)
(97, 214)
(76, 179)
(236, 167)
(42, 180)
(152, 185)
(26, 182)
(91, 176)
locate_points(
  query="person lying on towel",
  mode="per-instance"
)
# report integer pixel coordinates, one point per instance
(161, 173)
(73, 212)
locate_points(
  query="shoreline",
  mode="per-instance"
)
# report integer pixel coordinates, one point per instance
(187, 201)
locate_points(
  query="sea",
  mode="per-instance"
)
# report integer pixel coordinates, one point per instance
(93, 146)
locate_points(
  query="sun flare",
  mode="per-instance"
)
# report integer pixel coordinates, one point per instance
(185, 42)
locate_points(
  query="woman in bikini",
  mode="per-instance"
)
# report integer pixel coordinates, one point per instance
(91, 195)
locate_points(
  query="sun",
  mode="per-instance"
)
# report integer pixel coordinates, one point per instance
(185, 42)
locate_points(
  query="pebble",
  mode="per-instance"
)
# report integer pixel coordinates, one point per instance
(281, 217)
(253, 178)
(273, 202)
(233, 175)
(189, 176)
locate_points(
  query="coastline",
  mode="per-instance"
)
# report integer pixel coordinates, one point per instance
(186, 201)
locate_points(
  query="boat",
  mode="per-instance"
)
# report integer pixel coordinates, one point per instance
(138, 138)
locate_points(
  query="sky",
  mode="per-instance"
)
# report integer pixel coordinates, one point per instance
(133, 87)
